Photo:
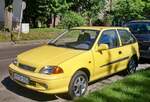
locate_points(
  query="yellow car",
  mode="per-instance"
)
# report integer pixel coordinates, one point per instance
(76, 57)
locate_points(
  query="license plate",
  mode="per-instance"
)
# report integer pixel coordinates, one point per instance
(21, 78)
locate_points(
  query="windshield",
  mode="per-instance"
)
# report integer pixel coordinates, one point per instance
(76, 39)
(140, 27)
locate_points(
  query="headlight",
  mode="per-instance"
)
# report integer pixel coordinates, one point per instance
(51, 70)
(15, 61)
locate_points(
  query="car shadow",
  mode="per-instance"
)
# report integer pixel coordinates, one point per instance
(144, 61)
(22, 91)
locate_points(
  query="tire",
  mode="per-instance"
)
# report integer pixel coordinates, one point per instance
(78, 85)
(131, 66)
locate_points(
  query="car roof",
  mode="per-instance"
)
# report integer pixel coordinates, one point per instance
(139, 21)
(99, 27)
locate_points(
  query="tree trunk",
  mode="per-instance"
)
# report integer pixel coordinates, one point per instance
(54, 22)
(90, 22)
(34, 24)
(8, 18)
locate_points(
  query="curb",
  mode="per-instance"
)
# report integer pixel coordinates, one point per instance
(32, 42)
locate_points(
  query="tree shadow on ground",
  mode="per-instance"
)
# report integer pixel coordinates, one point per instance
(27, 93)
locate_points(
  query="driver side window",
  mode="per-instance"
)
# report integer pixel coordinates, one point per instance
(110, 38)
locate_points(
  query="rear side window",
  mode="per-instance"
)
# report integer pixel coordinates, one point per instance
(126, 37)
(110, 37)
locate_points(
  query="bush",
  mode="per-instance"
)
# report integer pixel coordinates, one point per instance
(108, 20)
(97, 22)
(72, 19)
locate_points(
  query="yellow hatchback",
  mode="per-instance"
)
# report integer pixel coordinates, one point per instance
(76, 57)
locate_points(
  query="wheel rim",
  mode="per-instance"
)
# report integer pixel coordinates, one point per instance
(132, 66)
(80, 85)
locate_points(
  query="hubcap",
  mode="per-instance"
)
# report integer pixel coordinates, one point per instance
(132, 66)
(80, 85)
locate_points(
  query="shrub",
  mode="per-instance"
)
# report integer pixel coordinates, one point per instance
(72, 19)
(97, 22)
(108, 20)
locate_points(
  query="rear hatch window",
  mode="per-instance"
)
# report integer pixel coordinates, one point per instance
(139, 27)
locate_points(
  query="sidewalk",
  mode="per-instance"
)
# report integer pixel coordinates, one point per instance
(21, 43)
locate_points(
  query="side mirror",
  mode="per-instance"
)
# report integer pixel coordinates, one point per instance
(102, 47)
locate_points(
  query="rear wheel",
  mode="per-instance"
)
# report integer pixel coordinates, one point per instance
(132, 66)
(78, 85)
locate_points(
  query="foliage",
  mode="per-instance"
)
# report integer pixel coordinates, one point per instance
(123, 10)
(72, 19)
(108, 20)
(36, 11)
(126, 10)
(42, 10)
(146, 12)
(57, 7)
(97, 22)
(134, 88)
(92, 8)
(88, 8)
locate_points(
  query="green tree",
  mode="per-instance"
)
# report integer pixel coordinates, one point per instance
(88, 8)
(92, 8)
(126, 10)
(36, 10)
(146, 12)
(71, 19)
(57, 7)
(41, 10)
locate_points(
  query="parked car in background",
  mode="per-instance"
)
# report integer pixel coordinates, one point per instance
(141, 30)
(75, 58)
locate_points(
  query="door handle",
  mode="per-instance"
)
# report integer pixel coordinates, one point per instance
(120, 52)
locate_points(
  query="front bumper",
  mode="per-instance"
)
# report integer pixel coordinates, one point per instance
(42, 83)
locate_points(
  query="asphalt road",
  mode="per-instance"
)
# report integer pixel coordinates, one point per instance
(11, 92)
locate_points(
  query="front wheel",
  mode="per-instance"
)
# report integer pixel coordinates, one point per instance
(78, 85)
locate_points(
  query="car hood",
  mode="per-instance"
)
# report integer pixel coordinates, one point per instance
(47, 55)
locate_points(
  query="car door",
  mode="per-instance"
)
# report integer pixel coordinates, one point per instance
(108, 61)
(127, 46)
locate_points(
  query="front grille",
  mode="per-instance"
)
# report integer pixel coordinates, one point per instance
(25, 67)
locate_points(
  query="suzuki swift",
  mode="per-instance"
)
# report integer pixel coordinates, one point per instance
(76, 57)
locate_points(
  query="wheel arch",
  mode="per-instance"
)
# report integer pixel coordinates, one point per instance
(85, 70)
(135, 57)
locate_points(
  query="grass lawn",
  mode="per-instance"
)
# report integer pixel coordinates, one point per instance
(133, 88)
(35, 34)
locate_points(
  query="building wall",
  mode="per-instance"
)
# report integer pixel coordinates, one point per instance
(16, 10)
(15, 14)
(2, 5)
